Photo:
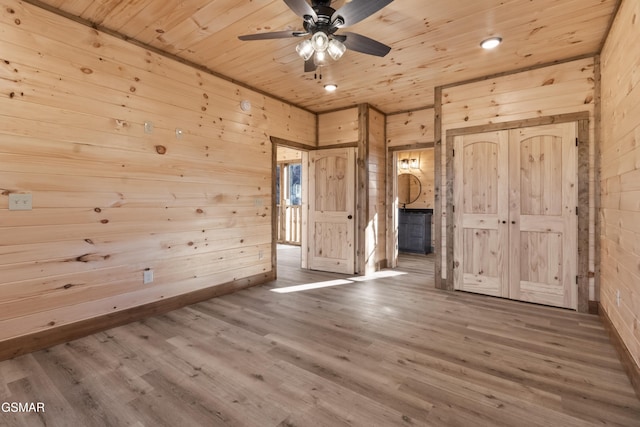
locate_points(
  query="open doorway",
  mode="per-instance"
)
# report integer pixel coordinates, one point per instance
(317, 218)
(289, 203)
(289, 197)
(414, 191)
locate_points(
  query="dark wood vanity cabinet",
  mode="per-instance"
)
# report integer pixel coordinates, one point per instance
(414, 230)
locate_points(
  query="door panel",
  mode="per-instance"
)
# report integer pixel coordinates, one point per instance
(540, 175)
(480, 214)
(331, 210)
(543, 229)
(329, 237)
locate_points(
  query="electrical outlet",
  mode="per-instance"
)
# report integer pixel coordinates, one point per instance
(618, 298)
(260, 254)
(147, 276)
(148, 127)
(20, 202)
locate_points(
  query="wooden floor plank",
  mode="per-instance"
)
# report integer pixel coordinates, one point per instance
(381, 352)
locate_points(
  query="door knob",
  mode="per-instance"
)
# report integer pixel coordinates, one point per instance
(350, 216)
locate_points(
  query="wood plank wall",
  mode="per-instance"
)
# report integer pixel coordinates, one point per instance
(338, 127)
(376, 228)
(111, 198)
(557, 89)
(286, 154)
(620, 178)
(410, 128)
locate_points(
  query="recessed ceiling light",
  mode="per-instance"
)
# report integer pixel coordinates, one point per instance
(330, 87)
(491, 43)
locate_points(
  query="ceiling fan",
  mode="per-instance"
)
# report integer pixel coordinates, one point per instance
(321, 22)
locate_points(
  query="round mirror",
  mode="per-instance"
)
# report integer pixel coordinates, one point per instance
(409, 188)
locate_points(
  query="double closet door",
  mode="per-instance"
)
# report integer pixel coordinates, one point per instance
(515, 214)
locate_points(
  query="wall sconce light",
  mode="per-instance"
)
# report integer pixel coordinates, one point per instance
(404, 164)
(414, 164)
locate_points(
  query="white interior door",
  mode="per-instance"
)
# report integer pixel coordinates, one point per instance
(331, 210)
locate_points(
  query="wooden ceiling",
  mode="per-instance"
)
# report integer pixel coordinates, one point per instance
(434, 42)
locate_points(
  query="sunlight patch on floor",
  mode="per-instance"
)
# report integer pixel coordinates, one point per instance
(338, 282)
(377, 275)
(309, 286)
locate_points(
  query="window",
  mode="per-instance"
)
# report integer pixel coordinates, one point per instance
(295, 183)
(291, 173)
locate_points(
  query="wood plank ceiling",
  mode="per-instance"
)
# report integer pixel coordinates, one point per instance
(434, 42)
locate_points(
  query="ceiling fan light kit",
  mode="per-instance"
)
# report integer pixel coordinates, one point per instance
(320, 58)
(305, 49)
(321, 22)
(336, 49)
(320, 41)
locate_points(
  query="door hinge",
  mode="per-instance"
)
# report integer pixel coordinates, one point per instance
(576, 280)
(453, 207)
(577, 142)
(576, 210)
(453, 152)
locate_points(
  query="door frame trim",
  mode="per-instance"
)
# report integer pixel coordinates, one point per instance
(583, 121)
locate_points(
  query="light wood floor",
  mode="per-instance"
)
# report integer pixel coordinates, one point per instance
(383, 352)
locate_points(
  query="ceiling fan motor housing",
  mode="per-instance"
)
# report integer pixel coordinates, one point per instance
(323, 21)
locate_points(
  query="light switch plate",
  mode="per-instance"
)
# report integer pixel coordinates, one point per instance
(20, 202)
(148, 127)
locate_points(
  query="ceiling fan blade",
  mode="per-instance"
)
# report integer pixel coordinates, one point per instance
(302, 9)
(309, 65)
(273, 35)
(357, 10)
(363, 44)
